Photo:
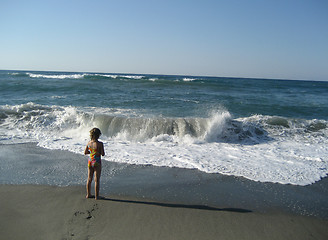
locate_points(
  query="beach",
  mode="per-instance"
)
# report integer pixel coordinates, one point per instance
(45, 212)
(186, 157)
(177, 204)
(29, 164)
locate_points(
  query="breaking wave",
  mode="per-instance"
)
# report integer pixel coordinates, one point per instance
(261, 148)
(37, 122)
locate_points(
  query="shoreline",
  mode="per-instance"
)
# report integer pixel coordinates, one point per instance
(29, 164)
(49, 212)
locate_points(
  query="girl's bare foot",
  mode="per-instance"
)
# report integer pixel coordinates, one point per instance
(88, 196)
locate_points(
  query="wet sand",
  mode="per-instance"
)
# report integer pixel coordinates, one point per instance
(48, 212)
(22, 164)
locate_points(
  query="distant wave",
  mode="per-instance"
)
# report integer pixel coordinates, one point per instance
(79, 76)
(18, 74)
(97, 76)
(188, 79)
(114, 76)
(59, 76)
(54, 76)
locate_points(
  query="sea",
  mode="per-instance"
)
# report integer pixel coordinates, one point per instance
(263, 130)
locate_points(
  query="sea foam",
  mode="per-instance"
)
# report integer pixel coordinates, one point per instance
(56, 76)
(260, 148)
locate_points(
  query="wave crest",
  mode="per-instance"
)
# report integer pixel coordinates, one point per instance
(39, 122)
(294, 149)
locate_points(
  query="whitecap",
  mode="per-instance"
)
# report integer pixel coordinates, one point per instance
(250, 147)
(56, 76)
(188, 79)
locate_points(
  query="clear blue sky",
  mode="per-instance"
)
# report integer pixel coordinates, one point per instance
(248, 38)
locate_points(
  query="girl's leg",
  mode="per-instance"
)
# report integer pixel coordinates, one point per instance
(90, 176)
(97, 180)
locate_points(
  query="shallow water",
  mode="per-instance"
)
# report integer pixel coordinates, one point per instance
(29, 164)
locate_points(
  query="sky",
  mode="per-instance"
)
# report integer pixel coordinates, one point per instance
(282, 39)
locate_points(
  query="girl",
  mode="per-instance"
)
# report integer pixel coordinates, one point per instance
(96, 149)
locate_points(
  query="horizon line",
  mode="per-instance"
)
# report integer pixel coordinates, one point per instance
(162, 74)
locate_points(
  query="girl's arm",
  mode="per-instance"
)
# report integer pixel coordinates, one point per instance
(86, 150)
(102, 151)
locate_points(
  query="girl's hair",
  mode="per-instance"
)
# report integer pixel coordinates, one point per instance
(95, 133)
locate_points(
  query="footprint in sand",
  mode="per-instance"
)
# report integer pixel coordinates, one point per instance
(79, 224)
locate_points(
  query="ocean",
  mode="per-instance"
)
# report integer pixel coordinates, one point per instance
(264, 130)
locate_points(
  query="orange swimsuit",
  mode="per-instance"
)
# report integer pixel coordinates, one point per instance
(94, 158)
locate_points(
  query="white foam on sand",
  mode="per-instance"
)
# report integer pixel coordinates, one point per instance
(260, 148)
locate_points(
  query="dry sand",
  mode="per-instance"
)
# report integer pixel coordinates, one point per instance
(45, 212)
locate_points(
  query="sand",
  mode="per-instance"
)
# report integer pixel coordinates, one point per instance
(29, 164)
(47, 212)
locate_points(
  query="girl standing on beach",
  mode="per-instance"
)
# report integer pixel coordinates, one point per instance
(96, 149)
